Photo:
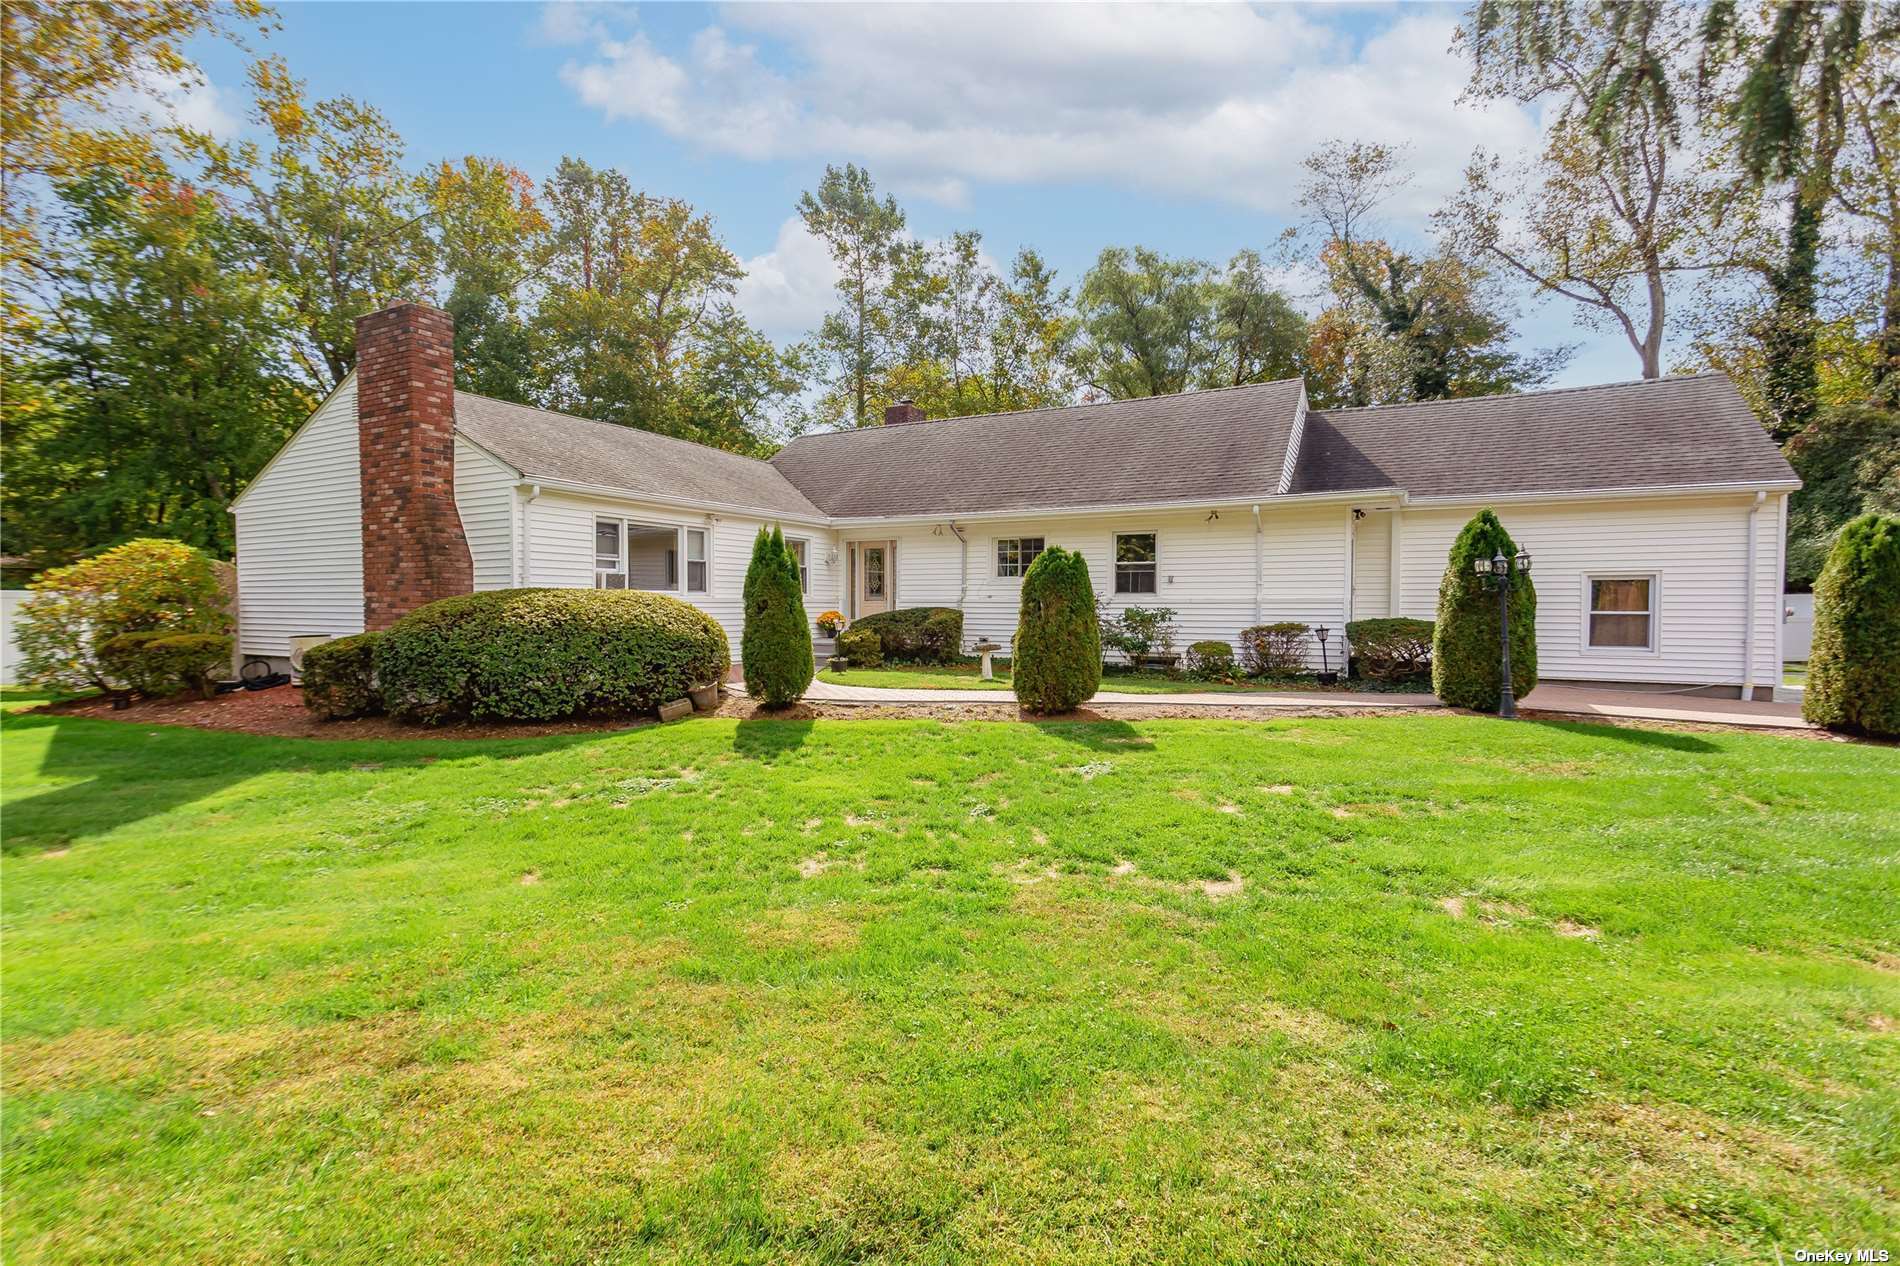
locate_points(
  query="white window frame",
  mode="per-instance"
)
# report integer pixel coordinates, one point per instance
(620, 547)
(622, 523)
(804, 568)
(687, 560)
(1114, 567)
(996, 562)
(1654, 648)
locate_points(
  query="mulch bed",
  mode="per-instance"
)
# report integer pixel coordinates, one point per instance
(279, 712)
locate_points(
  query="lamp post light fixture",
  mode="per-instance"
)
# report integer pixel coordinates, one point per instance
(1326, 674)
(1499, 573)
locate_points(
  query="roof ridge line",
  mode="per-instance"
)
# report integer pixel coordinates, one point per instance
(1048, 408)
(621, 426)
(1525, 395)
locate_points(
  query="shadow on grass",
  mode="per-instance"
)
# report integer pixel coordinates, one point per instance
(1092, 730)
(1635, 737)
(119, 772)
(767, 738)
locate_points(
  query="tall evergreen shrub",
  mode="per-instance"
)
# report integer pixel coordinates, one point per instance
(776, 645)
(1854, 665)
(1465, 636)
(1058, 652)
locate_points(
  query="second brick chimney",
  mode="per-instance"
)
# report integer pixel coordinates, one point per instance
(414, 551)
(903, 412)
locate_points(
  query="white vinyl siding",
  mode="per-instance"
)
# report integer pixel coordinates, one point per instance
(1694, 548)
(559, 551)
(485, 499)
(1372, 567)
(1204, 572)
(300, 536)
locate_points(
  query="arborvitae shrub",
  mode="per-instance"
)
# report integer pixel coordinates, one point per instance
(1058, 652)
(1465, 637)
(1854, 663)
(541, 654)
(339, 677)
(775, 650)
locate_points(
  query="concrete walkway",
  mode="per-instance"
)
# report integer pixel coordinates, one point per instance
(1581, 700)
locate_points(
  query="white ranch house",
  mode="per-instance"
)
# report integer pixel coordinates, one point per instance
(1656, 511)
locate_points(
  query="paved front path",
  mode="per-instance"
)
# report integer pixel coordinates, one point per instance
(1583, 700)
(829, 692)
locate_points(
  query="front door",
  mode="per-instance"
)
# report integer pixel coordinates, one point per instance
(876, 578)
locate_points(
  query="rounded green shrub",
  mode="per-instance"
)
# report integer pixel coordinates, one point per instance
(1058, 652)
(1209, 661)
(1465, 667)
(1854, 664)
(339, 677)
(917, 635)
(146, 585)
(542, 654)
(156, 663)
(1391, 649)
(1275, 650)
(861, 648)
(776, 646)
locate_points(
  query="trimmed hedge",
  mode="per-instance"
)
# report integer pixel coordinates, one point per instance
(339, 677)
(917, 635)
(862, 648)
(1854, 664)
(542, 654)
(1058, 653)
(1209, 661)
(776, 646)
(156, 663)
(1391, 649)
(1274, 650)
(1465, 639)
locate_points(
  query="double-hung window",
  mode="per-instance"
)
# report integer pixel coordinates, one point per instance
(801, 550)
(630, 555)
(1137, 563)
(1622, 612)
(1015, 553)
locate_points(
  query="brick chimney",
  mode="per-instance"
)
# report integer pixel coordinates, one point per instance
(413, 547)
(902, 413)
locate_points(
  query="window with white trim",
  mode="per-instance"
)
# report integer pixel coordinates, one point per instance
(1015, 553)
(1622, 613)
(801, 550)
(634, 555)
(1137, 562)
(698, 565)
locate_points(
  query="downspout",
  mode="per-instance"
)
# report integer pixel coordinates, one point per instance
(1258, 546)
(963, 564)
(526, 552)
(1748, 605)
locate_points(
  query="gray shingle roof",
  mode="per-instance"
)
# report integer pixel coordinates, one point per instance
(1660, 433)
(1202, 445)
(554, 446)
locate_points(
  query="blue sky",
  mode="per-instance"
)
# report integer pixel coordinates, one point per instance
(1065, 127)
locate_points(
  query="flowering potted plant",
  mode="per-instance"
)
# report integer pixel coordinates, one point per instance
(829, 623)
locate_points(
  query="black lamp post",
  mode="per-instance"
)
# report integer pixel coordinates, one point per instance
(1499, 572)
(1326, 675)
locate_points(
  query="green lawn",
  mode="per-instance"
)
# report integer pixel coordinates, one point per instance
(964, 677)
(1415, 989)
(1794, 673)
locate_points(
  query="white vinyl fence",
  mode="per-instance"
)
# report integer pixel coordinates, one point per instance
(10, 599)
(1797, 625)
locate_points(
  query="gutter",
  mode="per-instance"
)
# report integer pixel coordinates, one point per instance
(1748, 605)
(628, 496)
(1604, 494)
(1267, 499)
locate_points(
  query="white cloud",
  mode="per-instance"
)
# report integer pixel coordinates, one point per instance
(1218, 101)
(787, 290)
(160, 98)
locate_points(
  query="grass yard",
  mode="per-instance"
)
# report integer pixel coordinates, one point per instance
(964, 677)
(1794, 673)
(1412, 989)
